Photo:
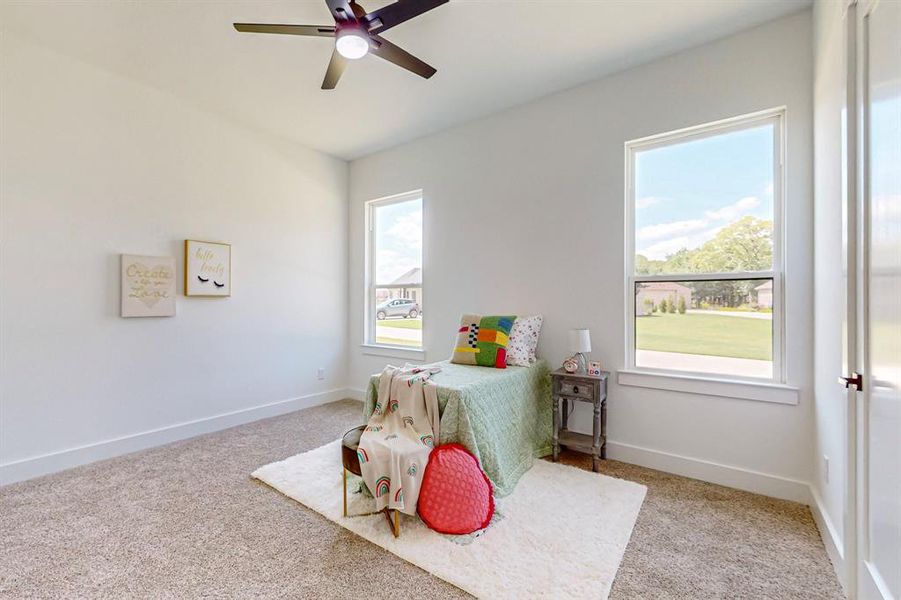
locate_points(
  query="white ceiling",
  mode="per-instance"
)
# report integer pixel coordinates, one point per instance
(490, 54)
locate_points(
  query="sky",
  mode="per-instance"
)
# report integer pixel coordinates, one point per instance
(685, 193)
(398, 239)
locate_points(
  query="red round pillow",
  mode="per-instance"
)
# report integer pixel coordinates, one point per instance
(455, 496)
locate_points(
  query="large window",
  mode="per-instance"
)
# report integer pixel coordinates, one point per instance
(704, 249)
(394, 276)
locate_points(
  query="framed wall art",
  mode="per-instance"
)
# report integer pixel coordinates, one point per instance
(148, 286)
(208, 269)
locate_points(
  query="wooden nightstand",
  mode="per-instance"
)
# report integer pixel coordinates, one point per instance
(569, 387)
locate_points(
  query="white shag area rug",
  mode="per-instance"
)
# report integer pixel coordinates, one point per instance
(561, 533)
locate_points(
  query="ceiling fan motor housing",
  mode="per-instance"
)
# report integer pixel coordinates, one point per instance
(352, 41)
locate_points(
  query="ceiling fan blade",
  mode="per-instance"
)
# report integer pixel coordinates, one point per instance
(341, 10)
(335, 68)
(388, 51)
(394, 14)
(314, 30)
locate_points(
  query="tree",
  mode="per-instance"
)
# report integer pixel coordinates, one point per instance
(662, 306)
(645, 266)
(681, 305)
(671, 306)
(745, 245)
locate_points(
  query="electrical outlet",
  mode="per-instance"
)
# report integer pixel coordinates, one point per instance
(320, 373)
(826, 468)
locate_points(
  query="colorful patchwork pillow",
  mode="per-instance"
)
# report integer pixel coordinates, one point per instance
(483, 341)
(524, 341)
(455, 496)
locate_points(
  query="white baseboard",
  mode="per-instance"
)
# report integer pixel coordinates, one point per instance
(831, 539)
(734, 477)
(36, 466)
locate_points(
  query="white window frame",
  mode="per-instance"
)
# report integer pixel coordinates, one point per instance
(370, 346)
(679, 380)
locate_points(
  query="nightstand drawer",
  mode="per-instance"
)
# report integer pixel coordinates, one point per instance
(574, 387)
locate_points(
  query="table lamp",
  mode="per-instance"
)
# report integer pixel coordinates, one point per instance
(580, 343)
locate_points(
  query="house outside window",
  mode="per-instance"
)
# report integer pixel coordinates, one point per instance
(704, 250)
(394, 299)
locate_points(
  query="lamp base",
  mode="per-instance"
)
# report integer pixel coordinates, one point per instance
(583, 362)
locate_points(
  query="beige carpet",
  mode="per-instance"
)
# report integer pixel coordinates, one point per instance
(186, 521)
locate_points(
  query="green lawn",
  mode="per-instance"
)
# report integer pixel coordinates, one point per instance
(401, 323)
(712, 335)
(386, 328)
(397, 342)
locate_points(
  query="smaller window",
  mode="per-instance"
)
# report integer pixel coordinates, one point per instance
(394, 271)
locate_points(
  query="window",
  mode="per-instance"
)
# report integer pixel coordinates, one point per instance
(703, 256)
(394, 276)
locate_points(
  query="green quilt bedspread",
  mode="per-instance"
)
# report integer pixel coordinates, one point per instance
(503, 416)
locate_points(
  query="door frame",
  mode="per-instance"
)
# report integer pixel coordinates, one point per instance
(851, 243)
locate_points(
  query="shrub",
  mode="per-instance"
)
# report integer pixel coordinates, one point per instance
(671, 306)
(681, 305)
(662, 306)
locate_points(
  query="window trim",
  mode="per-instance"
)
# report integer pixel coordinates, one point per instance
(369, 344)
(775, 116)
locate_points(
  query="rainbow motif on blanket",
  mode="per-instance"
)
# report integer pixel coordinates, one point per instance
(427, 440)
(392, 405)
(408, 421)
(383, 485)
(399, 495)
(362, 455)
(378, 408)
(411, 471)
(374, 428)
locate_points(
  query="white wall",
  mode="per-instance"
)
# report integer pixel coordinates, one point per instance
(95, 165)
(830, 283)
(512, 199)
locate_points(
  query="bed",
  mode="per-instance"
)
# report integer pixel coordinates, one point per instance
(503, 416)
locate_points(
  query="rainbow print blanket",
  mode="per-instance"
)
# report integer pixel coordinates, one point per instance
(399, 436)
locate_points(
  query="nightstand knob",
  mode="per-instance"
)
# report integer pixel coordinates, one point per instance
(575, 389)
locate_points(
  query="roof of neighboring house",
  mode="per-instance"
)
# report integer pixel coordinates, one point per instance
(666, 286)
(765, 286)
(411, 277)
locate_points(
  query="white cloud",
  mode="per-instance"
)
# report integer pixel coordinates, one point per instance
(733, 211)
(407, 230)
(768, 189)
(649, 201)
(667, 238)
(668, 230)
(390, 265)
(660, 250)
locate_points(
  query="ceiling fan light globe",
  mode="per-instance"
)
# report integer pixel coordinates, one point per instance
(352, 44)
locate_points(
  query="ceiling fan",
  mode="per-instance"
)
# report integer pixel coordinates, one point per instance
(357, 33)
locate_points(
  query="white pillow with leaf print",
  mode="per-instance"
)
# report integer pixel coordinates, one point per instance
(524, 341)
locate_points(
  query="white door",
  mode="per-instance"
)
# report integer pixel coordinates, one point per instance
(879, 425)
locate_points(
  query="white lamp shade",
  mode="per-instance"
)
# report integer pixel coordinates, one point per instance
(579, 340)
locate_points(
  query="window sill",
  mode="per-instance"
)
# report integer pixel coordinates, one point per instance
(393, 351)
(763, 391)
